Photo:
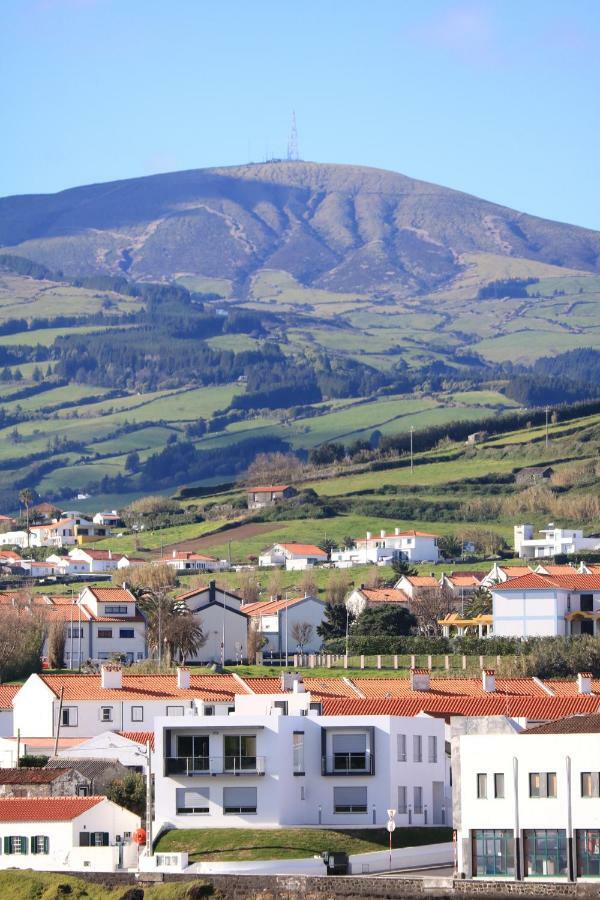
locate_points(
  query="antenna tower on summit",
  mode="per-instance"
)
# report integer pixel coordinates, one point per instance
(292, 149)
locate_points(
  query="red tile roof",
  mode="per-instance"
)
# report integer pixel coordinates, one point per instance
(29, 776)
(45, 809)
(373, 688)
(318, 687)
(7, 692)
(422, 580)
(112, 594)
(569, 688)
(145, 687)
(535, 581)
(270, 607)
(577, 724)
(140, 737)
(536, 709)
(303, 549)
(267, 489)
(460, 580)
(97, 554)
(384, 595)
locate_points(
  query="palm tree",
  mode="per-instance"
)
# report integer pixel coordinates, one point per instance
(26, 497)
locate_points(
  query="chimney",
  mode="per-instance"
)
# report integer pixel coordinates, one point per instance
(111, 677)
(584, 682)
(382, 533)
(419, 679)
(298, 684)
(369, 535)
(110, 554)
(488, 680)
(183, 678)
(174, 554)
(396, 531)
(212, 591)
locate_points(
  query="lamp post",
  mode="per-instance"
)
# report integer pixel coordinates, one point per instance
(412, 429)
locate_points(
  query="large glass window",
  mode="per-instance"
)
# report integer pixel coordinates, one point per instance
(493, 853)
(588, 852)
(240, 752)
(349, 752)
(298, 752)
(481, 786)
(545, 852)
(432, 743)
(350, 799)
(542, 784)
(192, 749)
(239, 800)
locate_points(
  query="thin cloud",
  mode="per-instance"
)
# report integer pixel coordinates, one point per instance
(466, 30)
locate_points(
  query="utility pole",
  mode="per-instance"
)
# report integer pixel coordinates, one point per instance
(148, 799)
(412, 428)
(547, 411)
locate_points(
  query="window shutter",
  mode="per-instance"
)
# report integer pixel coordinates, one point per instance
(349, 743)
(239, 796)
(7, 845)
(105, 838)
(34, 841)
(84, 839)
(46, 844)
(24, 845)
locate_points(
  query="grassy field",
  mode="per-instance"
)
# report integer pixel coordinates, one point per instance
(204, 844)
(23, 884)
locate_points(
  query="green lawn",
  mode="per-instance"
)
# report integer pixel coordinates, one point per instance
(153, 540)
(204, 844)
(23, 884)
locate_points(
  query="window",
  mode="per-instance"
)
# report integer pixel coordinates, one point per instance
(69, 717)
(106, 713)
(402, 801)
(587, 602)
(418, 799)
(401, 744)
(349, 799)
(137, 713)
(112, 610)
(74, 632)
(417, 748)
(104, 654)
(105, 632)
(316, 706)
(15, 844)
(499, 785)
(209, 710)
(493, 852)
(82, 790)
(542, 784)
(298, 752)
(193, 750)
(99, 839)
(545, 852)
(481, 786)
(126, 633)
(432, 743)
(349, 752)
(40, 844)
(238, 800)
(589, 784)
(192, 801)
(240, 752)
(174, 710)
(282, 705)
(588, 852)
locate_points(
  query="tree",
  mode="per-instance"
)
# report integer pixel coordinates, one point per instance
(132, 461)
(335, 621)
(129, 792)
(403, 567)
(26, 497)
(302, 633)
(327, 454)
(56, 644)
(248, 586)
(338, 586)
(485, 541)
(479, 603)
(150, 512)
(388, 619)
(449, 546)
(22, 631)
(275, 583)
(308, 583)
(273, 468)
(375, 578)
(429, 606)
(327, 545)
(37, 375)
(256, 641)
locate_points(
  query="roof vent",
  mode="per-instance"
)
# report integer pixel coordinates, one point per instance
(183, 678)
(488, 680)
(584, 682)
(396, 531)
(419, 679)
(111, 677)
(292, 681)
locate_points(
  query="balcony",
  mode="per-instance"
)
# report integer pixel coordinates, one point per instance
(214, 765)
(348, 764)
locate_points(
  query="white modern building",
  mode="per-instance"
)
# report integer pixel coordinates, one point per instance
(293, 556)
(527, 803)
(554, 541)
(382, 549)
(277, 761)
(288, 625)
(67, 834)
(116, 626)
(538, 605)
(223, 621)
(186, 561)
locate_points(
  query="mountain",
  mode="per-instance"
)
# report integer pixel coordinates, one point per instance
(334, 227)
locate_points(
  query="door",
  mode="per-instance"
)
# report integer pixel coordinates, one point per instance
(438, 803)
(194, 749)
(587, 626)
(240, 752)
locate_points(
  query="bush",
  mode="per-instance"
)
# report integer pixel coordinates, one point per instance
(29, 761)
(373, 644)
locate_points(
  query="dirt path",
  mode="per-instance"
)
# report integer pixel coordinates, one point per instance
(237, 533)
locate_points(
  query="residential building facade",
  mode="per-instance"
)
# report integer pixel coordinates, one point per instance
(383, 549)
(537, 605)
(554, 541)
(293, 557)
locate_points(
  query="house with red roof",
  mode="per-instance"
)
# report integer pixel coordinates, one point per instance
(66, 834)
(223, 621)
(188, 562)
(537, 605)
(288, 625)
(384, 548)
(292, 556)
(362, 597)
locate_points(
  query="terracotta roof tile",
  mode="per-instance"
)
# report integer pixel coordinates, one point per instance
(303, 549)
(7, 692)
(373, 688)
(45, 809)
(531, 708)
(384, 595)
(29, 776)
(140, 737)
(568, 688)
(422, 580)
(577, 724)
(536, 581)
(265, 489)
(318, 687)
(270, 607)
(145, 687)
(112, 594)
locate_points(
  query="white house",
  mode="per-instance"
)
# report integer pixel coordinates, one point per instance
(288, 625)
(499, 574)
(95, 561)
(224, 623)
(554, 541)
(66, 834)
(538, 605)
(527, 803)
(276, 761)
(383, 549)
(19, 538)
(116, 625)
(184, 561)
(362, 597)
(293, 556)
(82, 706)
(110, 518)
(413, 585)
(67, 566)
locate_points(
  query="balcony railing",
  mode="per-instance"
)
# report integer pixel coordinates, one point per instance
(214, 765)
(348, 764)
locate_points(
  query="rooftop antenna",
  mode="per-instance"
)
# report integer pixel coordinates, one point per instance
(293, 153)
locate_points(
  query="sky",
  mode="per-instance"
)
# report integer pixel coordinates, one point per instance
(498, 98)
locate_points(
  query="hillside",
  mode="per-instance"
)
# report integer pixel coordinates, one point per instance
(339, 228)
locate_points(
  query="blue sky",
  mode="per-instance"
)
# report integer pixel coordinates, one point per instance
(499, 99)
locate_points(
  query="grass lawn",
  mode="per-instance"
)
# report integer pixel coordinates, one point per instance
(27, 885)
(205, 844)
(153, 540)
